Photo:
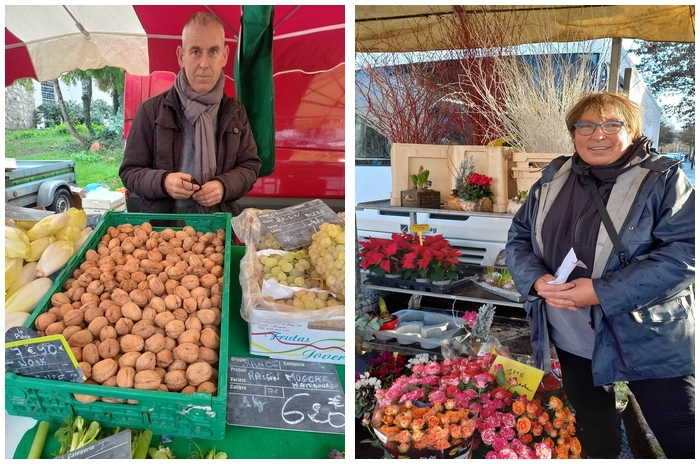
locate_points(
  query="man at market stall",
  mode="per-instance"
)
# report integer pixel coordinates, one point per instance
(191, 149)
(628, 315)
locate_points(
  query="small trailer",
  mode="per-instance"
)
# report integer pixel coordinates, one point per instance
(40, 183)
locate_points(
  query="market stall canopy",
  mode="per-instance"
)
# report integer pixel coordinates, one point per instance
(44, 41)
(378, 27)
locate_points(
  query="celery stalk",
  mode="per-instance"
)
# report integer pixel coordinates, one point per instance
(39, 440)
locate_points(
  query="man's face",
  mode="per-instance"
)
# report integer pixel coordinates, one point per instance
(203, 55)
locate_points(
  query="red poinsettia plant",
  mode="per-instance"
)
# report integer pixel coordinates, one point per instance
(462, 404)
(434, 260)
(382, 256)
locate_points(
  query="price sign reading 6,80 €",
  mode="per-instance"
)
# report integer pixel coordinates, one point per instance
(279, 394)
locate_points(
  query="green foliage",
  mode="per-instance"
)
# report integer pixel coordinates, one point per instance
(88, 157)
(668, 68)
(466, 168)
(420, 180)
(28, 84)
(101, 112)
(50, 113)
(113, 132)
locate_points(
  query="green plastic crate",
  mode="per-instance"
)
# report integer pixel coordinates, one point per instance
(196, 415)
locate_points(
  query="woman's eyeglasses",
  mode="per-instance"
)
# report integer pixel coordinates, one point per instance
(608, 127)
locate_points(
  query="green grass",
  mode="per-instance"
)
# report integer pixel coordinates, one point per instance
(101, 167)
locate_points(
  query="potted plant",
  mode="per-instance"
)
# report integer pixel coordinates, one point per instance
(516, 202)
(382, 256)
(421, 195)
(472, 190)
(434, 259)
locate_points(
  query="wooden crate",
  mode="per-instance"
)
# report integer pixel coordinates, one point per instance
(420, 199)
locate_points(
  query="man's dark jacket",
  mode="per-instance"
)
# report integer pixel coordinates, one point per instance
(154, 149)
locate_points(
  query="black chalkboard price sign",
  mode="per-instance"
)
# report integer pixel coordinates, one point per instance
(43, 357)
(116, 446)
(293, 227)
(280, 394)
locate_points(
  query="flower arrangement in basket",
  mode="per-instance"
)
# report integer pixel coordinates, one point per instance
(433, 260)
(472, 190)
(465, 406)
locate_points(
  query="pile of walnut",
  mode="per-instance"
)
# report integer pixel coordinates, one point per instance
(144, 310)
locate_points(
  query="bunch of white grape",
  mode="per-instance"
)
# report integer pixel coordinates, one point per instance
(307, 299)
(327, 254)
(289, 268)
(268, 242)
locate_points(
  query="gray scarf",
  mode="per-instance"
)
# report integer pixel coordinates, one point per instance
(201, 111)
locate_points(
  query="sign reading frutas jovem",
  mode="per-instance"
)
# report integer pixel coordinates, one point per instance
(293, 227)
(281, 394)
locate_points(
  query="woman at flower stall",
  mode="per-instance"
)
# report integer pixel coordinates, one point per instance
(628, 315)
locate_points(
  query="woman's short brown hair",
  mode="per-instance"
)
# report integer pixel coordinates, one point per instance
(602, 102)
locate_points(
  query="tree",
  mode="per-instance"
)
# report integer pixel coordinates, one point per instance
(667, 134)
(687, 136)
(668, 69)
(64, 113)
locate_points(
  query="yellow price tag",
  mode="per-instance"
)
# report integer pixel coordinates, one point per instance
(419, 229)
(528, 377)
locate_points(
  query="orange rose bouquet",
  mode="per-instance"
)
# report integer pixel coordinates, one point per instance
(456, 408)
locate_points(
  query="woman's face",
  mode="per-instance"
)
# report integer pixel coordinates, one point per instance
(599, 148)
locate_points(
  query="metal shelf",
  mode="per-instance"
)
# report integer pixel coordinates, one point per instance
(385, 205)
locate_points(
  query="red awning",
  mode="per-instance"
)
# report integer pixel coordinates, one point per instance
(44, 41)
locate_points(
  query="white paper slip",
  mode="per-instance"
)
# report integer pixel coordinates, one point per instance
(567, 266)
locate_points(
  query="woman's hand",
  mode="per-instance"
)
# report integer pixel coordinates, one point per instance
(571, 295)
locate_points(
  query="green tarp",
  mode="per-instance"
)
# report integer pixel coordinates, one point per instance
(253, 79)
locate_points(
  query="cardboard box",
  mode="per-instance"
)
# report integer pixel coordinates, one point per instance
(78, 194)
(120, 207)
(101, 200)
(300, 341)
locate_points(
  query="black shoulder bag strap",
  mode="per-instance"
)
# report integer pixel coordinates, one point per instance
(605, 217)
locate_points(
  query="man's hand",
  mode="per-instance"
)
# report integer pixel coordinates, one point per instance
(178, 185)
(210, 194)
(571, 295)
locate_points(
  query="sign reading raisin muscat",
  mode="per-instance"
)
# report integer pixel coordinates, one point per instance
(282, 394)
(293, 227)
